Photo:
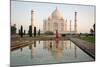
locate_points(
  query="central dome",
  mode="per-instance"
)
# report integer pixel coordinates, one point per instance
(57, 14)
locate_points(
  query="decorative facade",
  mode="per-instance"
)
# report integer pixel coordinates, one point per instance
(55, 22)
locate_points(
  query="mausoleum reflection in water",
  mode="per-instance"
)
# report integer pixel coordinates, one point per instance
(51, 51)
(56, 47)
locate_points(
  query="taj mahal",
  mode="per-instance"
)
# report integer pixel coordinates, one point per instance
(55, 22)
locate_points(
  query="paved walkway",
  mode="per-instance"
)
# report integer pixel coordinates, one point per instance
(20, 42)
(88, 47)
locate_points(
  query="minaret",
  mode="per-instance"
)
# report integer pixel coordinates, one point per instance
(70, 26)
(75, 26)
(32, 19)
(66, 25)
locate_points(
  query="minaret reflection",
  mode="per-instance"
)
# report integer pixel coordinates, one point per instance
(32, 48)
(70, 44)
(39, 41)
(75, 53)
(34, 44)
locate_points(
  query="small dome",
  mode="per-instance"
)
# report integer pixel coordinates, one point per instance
(56, 14)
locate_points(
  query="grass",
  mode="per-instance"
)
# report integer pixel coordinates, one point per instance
(88, 38)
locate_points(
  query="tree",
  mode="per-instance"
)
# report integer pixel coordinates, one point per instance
(94, 28)
(39, 32)
(21, 31)
(24, 32)
(91, 31)
(13, 29)
(30, 31)
(34, 31)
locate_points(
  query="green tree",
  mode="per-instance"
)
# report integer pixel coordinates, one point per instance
(21, 31)
(91, 31)
(94, 28)
(13, 29)
(34, 31)
(24, 32)
(39, 32)
(30, 31)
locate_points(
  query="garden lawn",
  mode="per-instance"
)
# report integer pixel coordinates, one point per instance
(88, 38)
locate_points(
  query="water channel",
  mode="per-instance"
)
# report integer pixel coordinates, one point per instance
(47, 52)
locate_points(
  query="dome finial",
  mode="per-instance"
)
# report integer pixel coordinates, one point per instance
(56, 7)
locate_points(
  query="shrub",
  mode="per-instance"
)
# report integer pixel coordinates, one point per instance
(63, 35)
(49, 33)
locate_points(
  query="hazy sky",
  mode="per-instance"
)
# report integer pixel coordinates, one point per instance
(21, 14)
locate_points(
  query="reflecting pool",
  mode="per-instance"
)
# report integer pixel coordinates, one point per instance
(47, 52)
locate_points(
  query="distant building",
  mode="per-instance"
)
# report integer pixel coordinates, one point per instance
(13, 29)
(55, 22)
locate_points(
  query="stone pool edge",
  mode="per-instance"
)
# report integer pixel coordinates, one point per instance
(79, 43)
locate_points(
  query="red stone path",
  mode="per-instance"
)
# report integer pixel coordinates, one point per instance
(88, 47)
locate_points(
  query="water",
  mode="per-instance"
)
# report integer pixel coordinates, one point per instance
(45, 52)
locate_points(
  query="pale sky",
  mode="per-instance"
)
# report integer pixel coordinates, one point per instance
(21, 14)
